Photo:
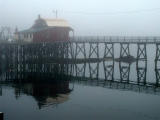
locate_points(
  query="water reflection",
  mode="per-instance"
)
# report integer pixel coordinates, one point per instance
(44, 93)
(109, 70)
(49, 84)
(124, 71)
(94, 71)
(88, 71)
(157, 71)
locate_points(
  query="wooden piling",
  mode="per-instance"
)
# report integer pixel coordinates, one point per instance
(1, 116)
(124, 50)
(142, 52)
(80, 48)
(94, 50)
(157, 58)
(157, 73)
(109, 50)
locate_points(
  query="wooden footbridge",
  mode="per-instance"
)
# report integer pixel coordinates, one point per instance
(78, 50)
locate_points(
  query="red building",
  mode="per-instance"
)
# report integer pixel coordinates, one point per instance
(46, 30)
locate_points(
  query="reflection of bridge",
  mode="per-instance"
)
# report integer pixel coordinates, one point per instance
(124, 82)
(49, 83)
(108, 67)
(120, 86)
(86, 72)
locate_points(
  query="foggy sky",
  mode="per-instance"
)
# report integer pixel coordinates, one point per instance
(88, 17)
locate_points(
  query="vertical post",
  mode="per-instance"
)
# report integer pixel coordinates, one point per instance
(76, 51)
(67, 50)
(90, 50)
(1, 116)
(97, 49)
(157, 69)
(0, 91)
(70, 50)
(157, 54)
(84, 50)
(157, 72)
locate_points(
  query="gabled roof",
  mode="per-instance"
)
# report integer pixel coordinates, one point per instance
(56, 22)
(43, 24)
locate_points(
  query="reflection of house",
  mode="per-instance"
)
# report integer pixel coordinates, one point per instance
(46, 30)
(46, 94)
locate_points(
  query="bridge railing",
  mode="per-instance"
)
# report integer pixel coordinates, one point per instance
(119, 39)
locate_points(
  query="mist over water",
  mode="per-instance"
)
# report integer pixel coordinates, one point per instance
(87, 17)
(92, 71)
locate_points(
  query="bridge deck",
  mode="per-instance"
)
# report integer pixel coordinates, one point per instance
(119, 39)
(104, 39)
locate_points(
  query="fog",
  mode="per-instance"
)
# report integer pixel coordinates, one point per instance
(88, 17)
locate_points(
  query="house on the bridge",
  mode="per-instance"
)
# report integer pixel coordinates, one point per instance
(46, 30)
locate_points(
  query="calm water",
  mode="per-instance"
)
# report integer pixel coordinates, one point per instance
(84, 102)
(96, 91)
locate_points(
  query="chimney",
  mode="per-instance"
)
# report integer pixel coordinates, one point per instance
(39, 16)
